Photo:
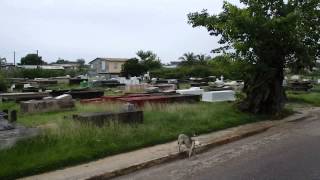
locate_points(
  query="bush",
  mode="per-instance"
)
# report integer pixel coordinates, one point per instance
(224, 65)
(39, 73)
(3, 83)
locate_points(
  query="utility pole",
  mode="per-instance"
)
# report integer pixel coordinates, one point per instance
(14, 58)
(37, 52)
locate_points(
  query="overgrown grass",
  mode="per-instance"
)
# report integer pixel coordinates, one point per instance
(65, 142)
(312, 98)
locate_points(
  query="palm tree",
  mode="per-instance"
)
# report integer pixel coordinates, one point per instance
(203, 59)
(146, 55)
(188, 59)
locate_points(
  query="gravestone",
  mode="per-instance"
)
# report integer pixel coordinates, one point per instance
(4, 123)
(128, 107)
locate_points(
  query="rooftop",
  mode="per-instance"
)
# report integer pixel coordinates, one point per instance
(111, 59)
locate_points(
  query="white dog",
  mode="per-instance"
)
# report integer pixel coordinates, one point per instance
(188, 142)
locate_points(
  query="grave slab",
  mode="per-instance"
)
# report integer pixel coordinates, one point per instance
(218, 96)
(191, 91)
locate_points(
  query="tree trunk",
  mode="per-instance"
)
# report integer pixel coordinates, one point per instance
(265, 92)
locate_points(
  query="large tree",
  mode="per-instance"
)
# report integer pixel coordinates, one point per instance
(32, 59)
(149, 59)
(269, 34)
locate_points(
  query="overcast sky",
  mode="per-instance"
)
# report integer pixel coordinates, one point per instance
(72, 29)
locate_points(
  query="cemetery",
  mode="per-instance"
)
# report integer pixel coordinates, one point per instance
(102, 117)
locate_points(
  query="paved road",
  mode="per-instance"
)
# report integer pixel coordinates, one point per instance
(290, 151)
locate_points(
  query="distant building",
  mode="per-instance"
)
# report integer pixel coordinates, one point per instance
(172, 64)
(68, 66)
(110, 67)
(46, 67)
(5, 65)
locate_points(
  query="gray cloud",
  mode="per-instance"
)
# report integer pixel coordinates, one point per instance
(87, 29)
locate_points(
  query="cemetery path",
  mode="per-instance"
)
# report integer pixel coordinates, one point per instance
(286, 151)
(188, 168)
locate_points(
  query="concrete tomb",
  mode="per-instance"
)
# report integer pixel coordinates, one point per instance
(23, 96)
(47, 104)
(218, 96)
(191, 91)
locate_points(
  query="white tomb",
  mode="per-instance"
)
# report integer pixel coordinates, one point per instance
(191, 91)
(218, 96)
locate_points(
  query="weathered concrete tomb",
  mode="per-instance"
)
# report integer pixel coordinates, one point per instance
(23, 96)
(47, 104)
(10, 132)
(219, 96)
(79, 93)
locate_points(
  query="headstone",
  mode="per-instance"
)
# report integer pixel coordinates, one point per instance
(6, 114)
(218, 96)
(13, 116)
(128, 107)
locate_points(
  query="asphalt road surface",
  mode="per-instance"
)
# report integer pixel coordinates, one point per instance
(290, 151)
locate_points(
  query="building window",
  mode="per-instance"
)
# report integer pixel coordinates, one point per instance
(115, 66)
(103, 65)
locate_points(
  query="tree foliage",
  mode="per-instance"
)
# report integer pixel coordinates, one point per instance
(133, 68)
(191, 59)
(146, 61)
(269, 34)
(220, 65)
(3, 83)
(32, 59)
(149, 59)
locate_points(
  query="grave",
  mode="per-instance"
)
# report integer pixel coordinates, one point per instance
(10, 132)
(192, 91)
(23, 96)
(85, 94)
(47, 104)
(108, 83)
(199, 84)
(62, 80)
(76, 81)
(300, 85)
(43, 82)
(4, 123)
(142, 100)
(166, 87)
(102, 118)
(218, 96)
(79, 93)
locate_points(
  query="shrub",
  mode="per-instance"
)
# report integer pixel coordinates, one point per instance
(3, 83)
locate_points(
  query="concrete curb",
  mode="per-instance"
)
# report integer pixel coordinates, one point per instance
(203, 148)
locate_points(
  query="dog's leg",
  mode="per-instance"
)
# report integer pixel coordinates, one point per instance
(191, 149)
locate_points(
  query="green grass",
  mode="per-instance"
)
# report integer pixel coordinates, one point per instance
(64, 142)
(311, 98)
